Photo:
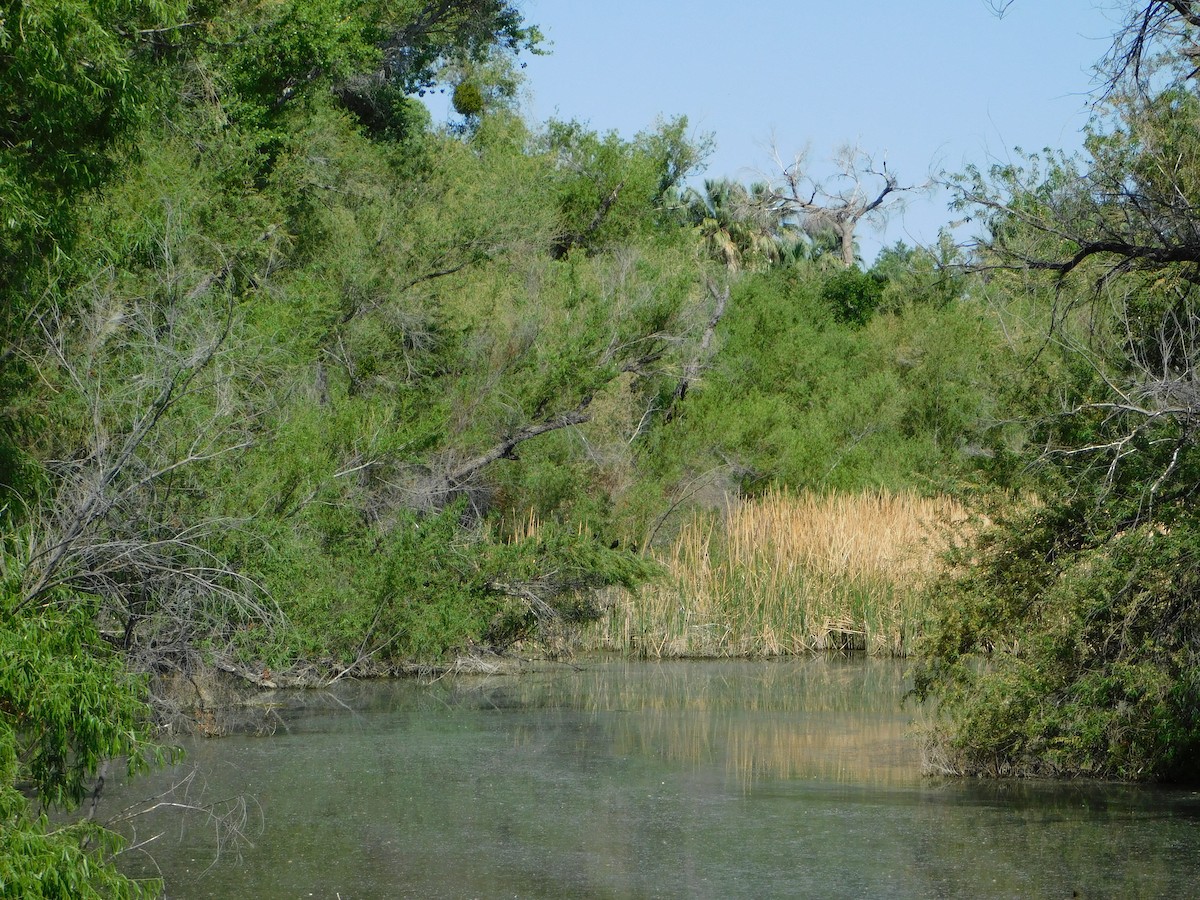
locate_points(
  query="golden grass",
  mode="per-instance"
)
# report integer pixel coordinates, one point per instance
(789, 574)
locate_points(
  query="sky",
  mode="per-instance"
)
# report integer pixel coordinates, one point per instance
(930, 85)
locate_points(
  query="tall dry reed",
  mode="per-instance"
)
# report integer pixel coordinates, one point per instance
(789, 574)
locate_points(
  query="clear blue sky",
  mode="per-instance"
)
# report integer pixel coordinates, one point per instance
(936, 84)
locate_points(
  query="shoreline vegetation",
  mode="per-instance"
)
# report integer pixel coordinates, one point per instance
(788, 574)
(784, 574)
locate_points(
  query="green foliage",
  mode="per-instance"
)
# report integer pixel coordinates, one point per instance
(918, 276)
(901, 401)
(409, 594)
(554, 573)
(1086, 605)
(74, 79)
(41, 861)
(372, 54)
(386, 111)
(419, 320)
(428, 587)
(419, 38)
(283, 46)
(68, 699)
(1092, 639)
(741, 226)
(468, 99)
(67, 705)
(852, 295)
(611, 189)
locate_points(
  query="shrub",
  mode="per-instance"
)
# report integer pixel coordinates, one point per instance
(852, 295)
(1063, 649)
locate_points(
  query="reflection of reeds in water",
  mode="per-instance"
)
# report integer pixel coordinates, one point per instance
(789, 574)
(853, 750)
(840, 721)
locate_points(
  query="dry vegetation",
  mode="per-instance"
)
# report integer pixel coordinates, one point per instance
(789, 574)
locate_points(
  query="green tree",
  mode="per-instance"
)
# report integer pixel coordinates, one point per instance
(608, 186)
(74, 79)
(175, 273)
(1087, 603)
(852, 295)
(68, 705)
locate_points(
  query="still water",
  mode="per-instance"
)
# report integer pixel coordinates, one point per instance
(789, 778)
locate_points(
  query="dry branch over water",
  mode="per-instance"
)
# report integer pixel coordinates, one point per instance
(791, 573)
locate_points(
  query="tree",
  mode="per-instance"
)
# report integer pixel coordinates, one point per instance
(461, 51)
(74, 79)
(274, 328)
(1115, 236)
(1089, 602)
(742, 227)
(610, 186)
(426, 34)
(862, 189)
(67, 705)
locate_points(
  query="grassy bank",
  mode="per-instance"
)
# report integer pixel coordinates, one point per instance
(788, 574)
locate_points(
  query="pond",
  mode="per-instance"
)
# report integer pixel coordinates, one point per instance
(619, 778)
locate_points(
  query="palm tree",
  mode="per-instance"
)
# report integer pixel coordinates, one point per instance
(742, 227)
(823, 246)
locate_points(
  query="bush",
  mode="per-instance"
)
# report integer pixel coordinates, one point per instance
(468, 99)
(1091, 647)
(67, 705)
(906, 400)
(853, 296)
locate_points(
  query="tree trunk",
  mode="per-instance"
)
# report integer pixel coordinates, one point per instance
(846, 232)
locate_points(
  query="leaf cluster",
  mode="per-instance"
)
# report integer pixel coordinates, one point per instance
(841, 401)
(75, 78)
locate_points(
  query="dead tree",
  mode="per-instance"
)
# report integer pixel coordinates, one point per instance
(860, 190)
(115, 529)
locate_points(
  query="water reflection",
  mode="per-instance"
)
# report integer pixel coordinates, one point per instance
(621, 779)
(815, 718)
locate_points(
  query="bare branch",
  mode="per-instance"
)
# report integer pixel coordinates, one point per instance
(230, 820)
(464, 472)
(859, 191)
(97, 501)
(692, 371)
(563, 244)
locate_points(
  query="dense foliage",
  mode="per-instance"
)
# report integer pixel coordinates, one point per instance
(830, 402)
(296, 381)
(68, 705)
(1086, 603)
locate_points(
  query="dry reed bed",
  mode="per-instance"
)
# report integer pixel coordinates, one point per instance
(789, 574)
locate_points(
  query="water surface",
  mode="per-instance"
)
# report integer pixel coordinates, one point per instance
(640, 779)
